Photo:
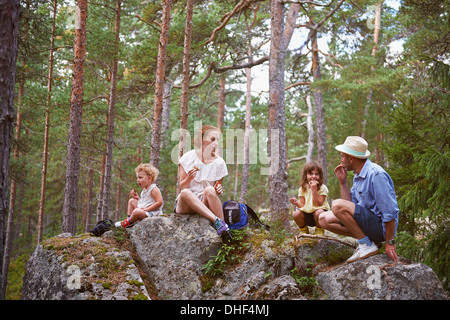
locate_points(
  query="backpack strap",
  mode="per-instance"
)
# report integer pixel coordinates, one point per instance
(255, 217)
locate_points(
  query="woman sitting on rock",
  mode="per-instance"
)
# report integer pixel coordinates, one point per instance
(201, 174)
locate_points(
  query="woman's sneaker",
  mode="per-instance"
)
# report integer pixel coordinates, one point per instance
(364, 251)
(220, 226)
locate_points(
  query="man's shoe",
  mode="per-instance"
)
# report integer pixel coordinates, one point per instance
(364, 251)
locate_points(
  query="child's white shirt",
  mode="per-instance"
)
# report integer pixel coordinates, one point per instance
(146, 199)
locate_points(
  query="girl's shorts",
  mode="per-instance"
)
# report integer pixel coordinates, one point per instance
(309, 218)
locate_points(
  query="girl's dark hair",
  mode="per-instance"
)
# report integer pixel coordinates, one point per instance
(310, 166)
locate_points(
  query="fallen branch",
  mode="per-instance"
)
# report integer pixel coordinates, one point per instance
(312, 236)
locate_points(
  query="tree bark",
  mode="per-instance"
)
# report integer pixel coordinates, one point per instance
(221, 103)
(159, 85)
(184, 107)
(46, 130)
(166, 113)
(319, 109)
(9, 26)
(280, 38)
(111, 115)
(89, 197)
(248, 115)
(309, 125)
(69, 223)
(277, 119)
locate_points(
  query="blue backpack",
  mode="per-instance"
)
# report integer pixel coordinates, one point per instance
(236, 215)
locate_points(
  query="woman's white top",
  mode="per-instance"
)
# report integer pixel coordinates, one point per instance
(208, 173)
(146, 199)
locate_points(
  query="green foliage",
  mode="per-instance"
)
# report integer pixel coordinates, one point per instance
(307, 283)
(15, 277)
(419, 141)
(230, 253)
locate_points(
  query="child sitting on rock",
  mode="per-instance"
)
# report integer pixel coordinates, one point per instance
(150, 202)
(312, 199)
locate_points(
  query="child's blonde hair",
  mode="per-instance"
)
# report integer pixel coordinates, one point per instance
(150, 170)
(310, 166)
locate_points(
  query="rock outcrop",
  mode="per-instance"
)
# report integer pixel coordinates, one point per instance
(82, 268)
(378, 278)
(172, 254)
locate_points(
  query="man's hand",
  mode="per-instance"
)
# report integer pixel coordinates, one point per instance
(391, 251)
(341, 173)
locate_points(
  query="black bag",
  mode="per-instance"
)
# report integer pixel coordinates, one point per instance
(101, 227)
(236, 215)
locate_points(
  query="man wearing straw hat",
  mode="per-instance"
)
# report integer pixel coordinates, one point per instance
(367, 212)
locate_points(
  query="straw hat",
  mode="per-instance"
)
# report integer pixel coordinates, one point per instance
(354, 146)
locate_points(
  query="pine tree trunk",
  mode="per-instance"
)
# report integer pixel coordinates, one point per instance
(10, 234)
(248, 115)
(101, 185)
(118, 190)
(320, 113)
(89, 197)
(166, 113)
(277, 119)
(280, 38)
(9, 26)
(69, 223)
(376, 33)
(159, 85)
(111, 114)
(185, 85)
(309, 125)
(221, 102)
(46, 130)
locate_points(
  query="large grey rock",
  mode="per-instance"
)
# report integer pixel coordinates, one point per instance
(172, 251)
(378, 278)
(81, 268)
(281, 288)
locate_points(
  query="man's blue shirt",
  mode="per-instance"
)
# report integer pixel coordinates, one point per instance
(373, 188)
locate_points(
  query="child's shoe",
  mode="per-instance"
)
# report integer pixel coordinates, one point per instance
(319, 231)
(124, 224)
(220, 226)
(304, 230)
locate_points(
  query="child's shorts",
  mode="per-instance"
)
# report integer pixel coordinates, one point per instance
(309, 218)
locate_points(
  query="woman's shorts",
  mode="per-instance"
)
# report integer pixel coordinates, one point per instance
(369, 223)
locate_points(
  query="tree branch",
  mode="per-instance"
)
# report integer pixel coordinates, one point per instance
(300, 83)
(212, 67)
(239, 7)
